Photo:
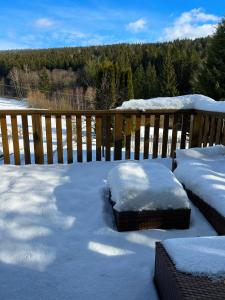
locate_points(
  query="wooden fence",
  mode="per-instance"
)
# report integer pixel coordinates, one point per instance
(104, 135)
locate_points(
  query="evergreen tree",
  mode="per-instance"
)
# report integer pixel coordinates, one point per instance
(130, 89)
(138, 82)
(212, 78)
(44, 83)
(168, 83)
(151, 82)
(106, 93)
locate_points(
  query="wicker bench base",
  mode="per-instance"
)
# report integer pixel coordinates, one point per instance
(212, 215)
(175, 285)
(163, 219)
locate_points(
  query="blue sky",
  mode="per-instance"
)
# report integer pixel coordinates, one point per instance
(44, 24)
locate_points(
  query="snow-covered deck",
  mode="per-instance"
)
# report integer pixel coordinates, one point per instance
(57, 239)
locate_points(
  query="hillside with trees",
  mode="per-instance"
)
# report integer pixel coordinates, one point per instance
(103, 77)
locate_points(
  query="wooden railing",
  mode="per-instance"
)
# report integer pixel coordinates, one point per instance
(36, 136)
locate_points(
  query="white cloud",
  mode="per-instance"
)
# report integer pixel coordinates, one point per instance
(44, 22)
(192, 24)
(137, 26)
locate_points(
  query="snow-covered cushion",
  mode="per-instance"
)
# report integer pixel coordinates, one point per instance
(145, 186)
(206, 179)
(199, 256)
(207, 153)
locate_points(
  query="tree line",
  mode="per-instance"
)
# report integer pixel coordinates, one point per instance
(103, 77)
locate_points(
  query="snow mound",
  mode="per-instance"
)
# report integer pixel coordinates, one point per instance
(195, 101)
(199, 256)
(206, 153)
(6, 104)
(145, 186)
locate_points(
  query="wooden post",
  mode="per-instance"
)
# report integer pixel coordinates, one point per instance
(146, 136)
(118, 137)
(79, 139)
(194, 134)
(128, 136)
(98, 121)
(156, 136)
(108, 139)
(15, 137)
(38, 139)
(48, 126)
(137, 137)
(5, 142)
(88, 138)
(26, 140)
(165, 135)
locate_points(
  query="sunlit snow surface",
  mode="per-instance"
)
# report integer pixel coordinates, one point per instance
(58, 241)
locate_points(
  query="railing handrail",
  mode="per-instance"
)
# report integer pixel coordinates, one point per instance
(92, 112)
(31, 111)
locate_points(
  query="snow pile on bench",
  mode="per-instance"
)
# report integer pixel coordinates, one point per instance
(205, 176)
(208, 153)
(145, 186)
(195, 101)
(198, 256)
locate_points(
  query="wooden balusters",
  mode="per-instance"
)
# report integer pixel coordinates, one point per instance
(146, 136)
(15, 138)
(165, 135)
(212, 131)
(79, 138)
(128, 136)
(206, 131)
(137, 137)
(48, 127)
(59, 139)
(108, 138)
(156, 136)
(88, 138)
(118, 137)
(98, 120)
(37, 139)
(69, 139)
(5, 142)
(218, 131)
(174, 135)
(26, 140)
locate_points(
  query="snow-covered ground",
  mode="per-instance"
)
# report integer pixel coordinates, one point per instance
(58, 241)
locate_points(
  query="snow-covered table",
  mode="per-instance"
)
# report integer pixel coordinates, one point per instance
(190, 268)
(147, 195)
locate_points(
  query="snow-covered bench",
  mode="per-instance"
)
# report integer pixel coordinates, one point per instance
(147, 195)
(190, 268)
(202, 172)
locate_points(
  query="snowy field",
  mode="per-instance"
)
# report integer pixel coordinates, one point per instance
(59, 242)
